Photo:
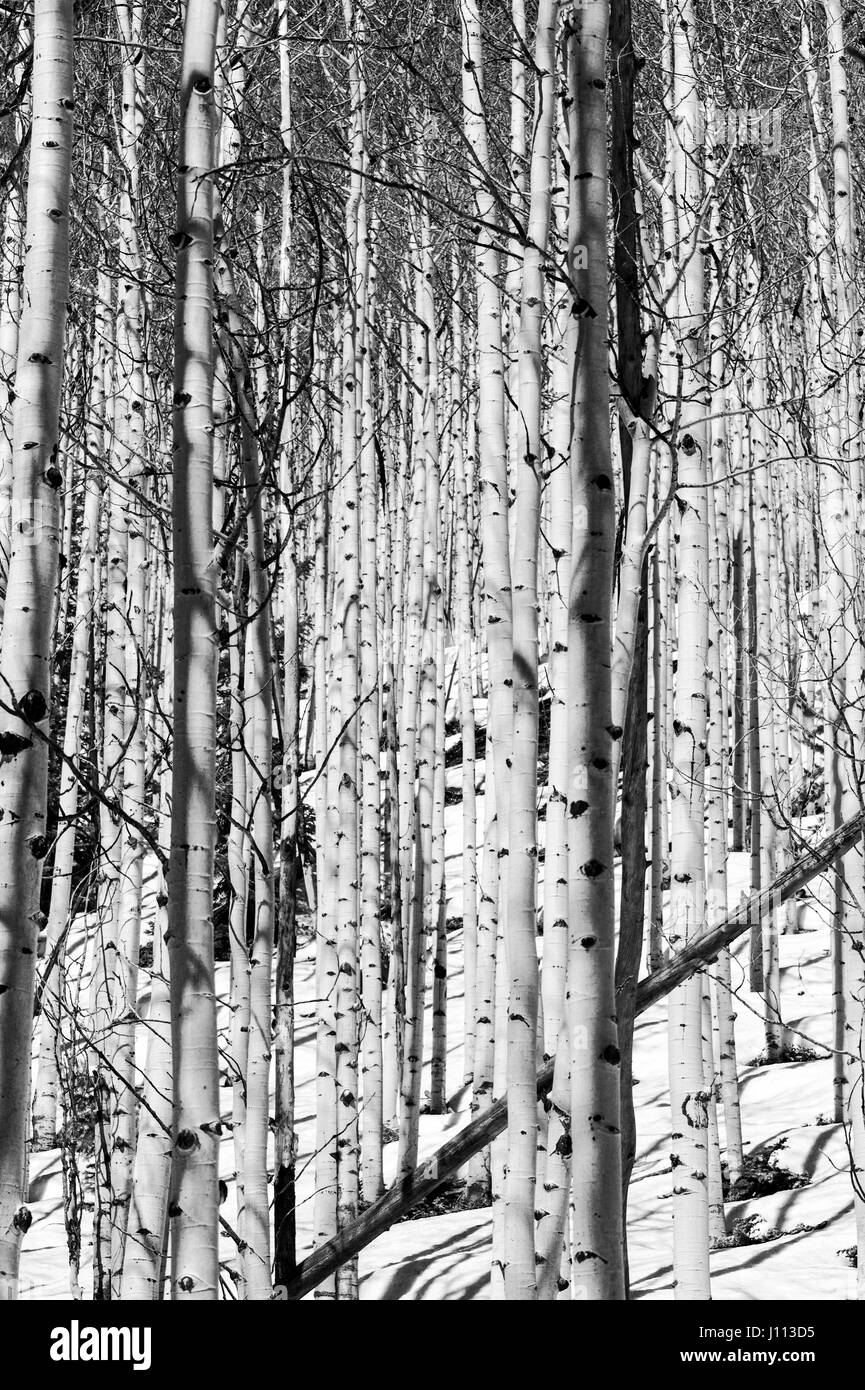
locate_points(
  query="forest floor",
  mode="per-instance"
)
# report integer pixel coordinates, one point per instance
(443, 1257)
(796, 1236)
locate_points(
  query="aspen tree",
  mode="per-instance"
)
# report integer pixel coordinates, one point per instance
(239, 881)
(637, 382)
(11, 257)
(147, 1227)
(284, 1195)
(422, 905)
(631, 566)
(256, 1200)
(758, 953)
(521, 923)
(407, 980)
(97, 441)
(517, 164)
(401, 525)
(394, 1000)
(659, 624)
(463, 636)
(196, 1126)
(822, 372)
(497, 577)
(842, 509)
(596, 1216)
(499, 1147)
(764, 684)
(713, 1002)
(717, 800)
(25, 670)
(228, 89)
(73, 403)
(117, 714)
(130, 435)
(346, 1002)
(554, 1179)
(258, 696)
(327, 966)
(45, 1105)
(370, 723)
(663, 557)
(327, 839)
(407, 629)
(45, 1111)
(437, 950)
(738, 542)
(687, 892)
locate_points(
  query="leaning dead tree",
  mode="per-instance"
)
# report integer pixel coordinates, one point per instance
(430, 1175)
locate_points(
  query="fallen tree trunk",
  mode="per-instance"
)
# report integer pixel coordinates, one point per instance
(454, 1154)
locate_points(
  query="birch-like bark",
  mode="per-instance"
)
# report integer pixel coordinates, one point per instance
(147, 1228)
(596, 1215)
(327, 723)
(25, 650)
(412, 635)
(285, 1137)
(463, 637)
(258, 698)
(423, 908)
(517, 165)
(239, 884)
(347, 1001)
(129, 430)
(492, 449)
(326, 970)
(687, 890)
(370, 724)
(660, 614)
(437, 943)
(45, 1104)
(117, 712)
(46, 1114)
(521, 916)
(843, 495)
(554, 1172)
(196, 1123)
(764, 679)
(11, 257)
(395, 527)
(717, 799)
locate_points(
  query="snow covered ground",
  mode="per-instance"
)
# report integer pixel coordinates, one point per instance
(447, 1257)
